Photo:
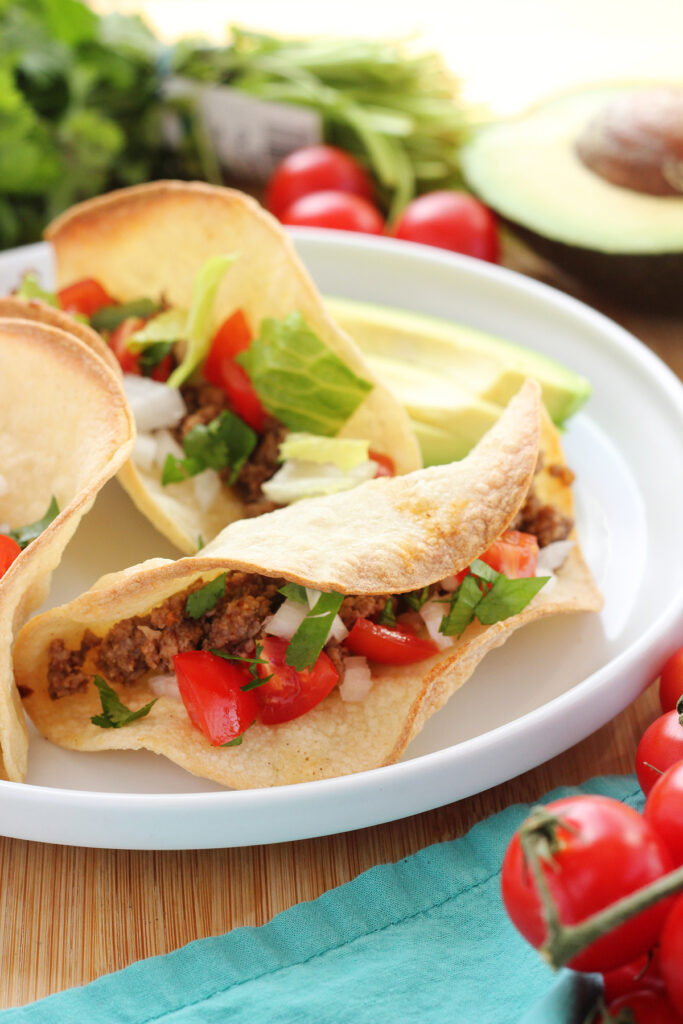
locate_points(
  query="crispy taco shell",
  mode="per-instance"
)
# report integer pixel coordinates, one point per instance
(151, 241)
(42, 313)
(65, 429)
(389, 535)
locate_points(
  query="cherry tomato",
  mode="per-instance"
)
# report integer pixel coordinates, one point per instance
(671, 681)
(385, 464)
(289, 693)
(661, 746)
(86, 297)
(315, 169)
(671, 955)
(220, 368)
(514, 554)
(211, 689)
(388, 645)
(646, 1007)
(339, 210)
(9, 550)
(451, 220)
(611, 852)
(130, 361)
(664, 810)
(643, 973)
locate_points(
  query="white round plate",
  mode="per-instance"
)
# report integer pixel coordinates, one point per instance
(550, 686)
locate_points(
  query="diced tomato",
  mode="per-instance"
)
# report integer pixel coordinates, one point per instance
(385, 465)
(388, 645)
(130, 361)
(9, 549)
(86, 297)
(289, 693)
(220, 368)
(514, 554)
(211, 691)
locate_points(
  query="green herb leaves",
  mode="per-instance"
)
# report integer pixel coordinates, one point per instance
(109, 317)
(295, 592)
(299, 379)
(309, 639)
(488, 596)
(253, 663)
(115, 714)
(23, 535)
(226, 441)
(206, 598)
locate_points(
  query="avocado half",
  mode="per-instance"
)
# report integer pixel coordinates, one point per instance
(619, 239)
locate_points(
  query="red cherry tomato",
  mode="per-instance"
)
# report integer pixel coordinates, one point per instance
(130, 361)
(288, 693)
(643, 973)
(315, 169)
(514, 554)
(339, 210)
(451, 220)
(388, 645)
(385, 465)
(664, 811)
(671, 681)
(611, 853)
(661, 746)
(646, 1007)
(9, 550)
(86, 297)
(220, 368)
(211, 689)
(671, 955)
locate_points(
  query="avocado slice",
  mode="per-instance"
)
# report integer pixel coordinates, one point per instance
(477, 370)
(552, 175)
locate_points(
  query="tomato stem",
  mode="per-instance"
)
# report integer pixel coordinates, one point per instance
(563, 942)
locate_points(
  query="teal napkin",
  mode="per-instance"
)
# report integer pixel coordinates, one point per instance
(425, 940)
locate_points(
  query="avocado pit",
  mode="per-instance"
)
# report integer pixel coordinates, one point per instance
(636, 141)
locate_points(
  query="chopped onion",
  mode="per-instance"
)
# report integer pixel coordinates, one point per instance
(165, 686)
(167, 445)
(432, 613)
(154, 405)
(207, 487)
(552, 556)
(144, 451)
(286, 620)
(4, 487)
(357, 681)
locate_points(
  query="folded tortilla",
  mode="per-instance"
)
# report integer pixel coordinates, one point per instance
(65, 429)
(385, 536)
(150, 241)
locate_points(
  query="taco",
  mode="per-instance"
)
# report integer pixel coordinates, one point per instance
(232, 366)
(317, 641)
(65, 429)
(41, 312)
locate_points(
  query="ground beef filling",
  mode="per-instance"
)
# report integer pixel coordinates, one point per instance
(204, 403)
(545, 522)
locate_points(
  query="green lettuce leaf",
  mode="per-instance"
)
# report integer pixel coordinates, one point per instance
(199, 320)
(30, 288)
(299, 380)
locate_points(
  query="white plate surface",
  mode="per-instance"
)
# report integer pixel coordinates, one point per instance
(551, 685)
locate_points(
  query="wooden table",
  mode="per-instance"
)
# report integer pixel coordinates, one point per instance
(69, 915)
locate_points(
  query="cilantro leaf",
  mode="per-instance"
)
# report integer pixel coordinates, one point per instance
(206, 598)
(253, 663)
(483, 571)
(299, 379)
(295, 592)
(150, 357)
(227, 441)
(237, 742)
(115, 714)
(416, 598)
(462, 610)
(508, 597)
(388, 616)
(200, 542)
(109, 317)
(23, 535)
(309, 639)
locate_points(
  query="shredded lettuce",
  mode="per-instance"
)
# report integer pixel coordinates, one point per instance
(197, 328)
(31, 288)
(299, 379)
(343, 452)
